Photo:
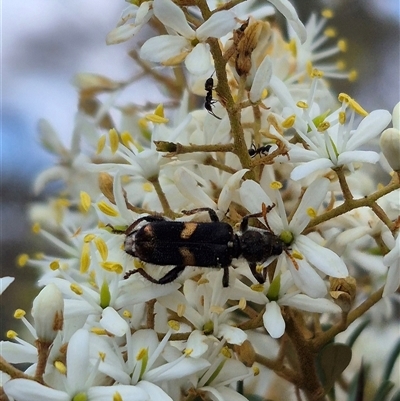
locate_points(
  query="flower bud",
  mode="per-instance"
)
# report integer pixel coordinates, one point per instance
(47, 312)
(390, 145)
(343, 291)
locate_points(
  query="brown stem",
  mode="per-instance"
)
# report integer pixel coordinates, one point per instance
(210, 161)
(13, 372)
(163, 199)
(150, 314)
(343, 184)
(43, 354)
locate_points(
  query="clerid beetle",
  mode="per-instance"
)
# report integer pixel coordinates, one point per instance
(213, 244)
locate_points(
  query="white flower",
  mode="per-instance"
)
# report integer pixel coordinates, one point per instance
(337, 145)
(187, 44)
(306, 253)
(392, 261)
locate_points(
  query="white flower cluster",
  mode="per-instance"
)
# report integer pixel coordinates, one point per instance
(271, 141)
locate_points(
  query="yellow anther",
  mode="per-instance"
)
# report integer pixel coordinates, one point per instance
(143, 124)
(156, 119)
(323, 126)
(216, 309)
(19, 314)
(264, 94)
(112, 267)
(38, 255)
(107, 209)
(138, 264)
(159, 111)
(342, 117)
(141, 354)
(85, 258)
(292, 47)
(114, 140)
(180, 310)
(327, 13)
(147, 187)
(127, 314)
(188, 351)
(259, 268)
(22, 259)
(174, 325)
(256, 370)
(76, 288)
(302, 105)
(226, 352)
(330, 32)
(275, 185)
(127, 139)
(242, 303)
(311, 212)
(342, 45)
(36, 228)
(257, 287)
(309, 67)
(55, 265)
(102, 356)
(344, 98)
(99, 331)
(85, 200)
(101, 247)
(341, 65)
(89, 238)
(117, 396)
(60, 367)
(289, 121)
(315, 73)
(297, 255)
(11, 334)
(101, 144)
(353, 75)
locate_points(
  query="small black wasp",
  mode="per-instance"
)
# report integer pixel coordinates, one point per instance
(210, 244)
(262, 150)
(209, 86)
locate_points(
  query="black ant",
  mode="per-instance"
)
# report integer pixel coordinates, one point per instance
(262, 150)
(209, 86)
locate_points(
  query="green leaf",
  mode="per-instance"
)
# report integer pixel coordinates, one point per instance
(383, 391)
(391, 361)
(333, 360)
(356, 391)
(356, 333)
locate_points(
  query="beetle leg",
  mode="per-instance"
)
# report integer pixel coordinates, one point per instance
(244, 225)
(167, 278)
(260, 277)
(225, 277)
(211, 213)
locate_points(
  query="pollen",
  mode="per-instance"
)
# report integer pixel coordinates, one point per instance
(342, 45)
(257, 287)
(289, 121)
(102, 356)
(353, 76)
(302, 105)
(54, 265)
(188, 351)
(315, 73)
(327, 13)
(357, 108)
(342, 117)
(99, 331)
(276, 185)
(60, 367)
(112, 267)
(85, 258)
(156, 119)
(143, 124)
(141, 354)
(127, 314)
(323, 126)
(101, 144)
(147, 187)
(264, 94)
(22, 259)
(174, 325)
(117, 396)
(181, 310)
(242, 303)
(311, 212)
(101, 247)
(256, 370)
(107, 209)
(19, 314)
(226, 353)
(297, 255)
(11, 334)
(216, 309)
(88, 238)
(36, 228)
(76, 288)
(114, 140)
(85, 201)
(330, 32)
(292, 47)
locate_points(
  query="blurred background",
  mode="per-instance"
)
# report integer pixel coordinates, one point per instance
(44, 43)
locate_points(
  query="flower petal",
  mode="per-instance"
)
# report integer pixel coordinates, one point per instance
(357, 156)
(306, 169)
(218, 25)
(121, 34)
(164, 47)
(304, 302)
(233, 335)
(172, 16)
(198, 61)
(5, 282)
(261, 79)
(273, 320)
(322, 258)
(28, 390)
